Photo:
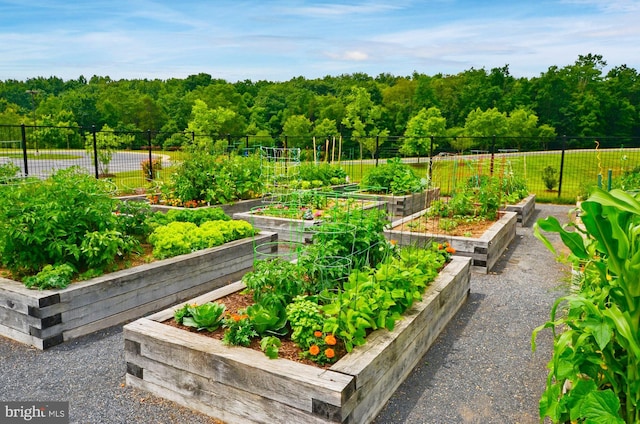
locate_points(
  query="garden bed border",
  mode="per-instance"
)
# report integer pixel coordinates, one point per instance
(525, 209)
(45, 318)
(484, 250)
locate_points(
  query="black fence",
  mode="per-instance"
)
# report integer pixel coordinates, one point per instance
(553, 167)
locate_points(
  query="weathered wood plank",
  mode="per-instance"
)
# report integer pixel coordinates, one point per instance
(287, 381)
(58, 315)
(484, 250)
(238, 405)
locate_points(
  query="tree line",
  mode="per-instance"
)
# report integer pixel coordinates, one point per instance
(403, 112)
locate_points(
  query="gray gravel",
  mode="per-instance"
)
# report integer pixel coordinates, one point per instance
(480, 369)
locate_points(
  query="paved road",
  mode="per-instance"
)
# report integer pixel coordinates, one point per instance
(120, 162)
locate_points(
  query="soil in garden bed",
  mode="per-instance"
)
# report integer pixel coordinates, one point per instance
(237, 301)
(474, 228)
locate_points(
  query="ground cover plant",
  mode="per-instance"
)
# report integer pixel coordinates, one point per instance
(343, 286)
(594, 373)
(69, 227)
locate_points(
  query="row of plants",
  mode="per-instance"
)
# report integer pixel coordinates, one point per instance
(70, 227)
(594, 372)
(312, 175)
(347, 283)
(479, 199)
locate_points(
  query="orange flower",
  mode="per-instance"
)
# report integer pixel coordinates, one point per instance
(317, 333)
(440, 246)
(314, 350)
(446, 244)
(330, 340)
(329, 353)
(237, 317)
(450, 250)
(393, 242)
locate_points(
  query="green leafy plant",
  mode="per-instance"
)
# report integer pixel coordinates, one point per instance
(8, 172)
(268, 317)
(594, 374)
(550, 177)
(51, 277)
(238, 331)
(178, 238)
(275, 278)
(270, 346)
(208, 316)
(67, 219)
(394, 177)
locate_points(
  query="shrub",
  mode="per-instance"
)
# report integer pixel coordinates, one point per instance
(46, 222)
(550, 177)
(8, 171)
(394, 177)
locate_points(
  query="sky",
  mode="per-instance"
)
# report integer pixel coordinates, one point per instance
(279, 40)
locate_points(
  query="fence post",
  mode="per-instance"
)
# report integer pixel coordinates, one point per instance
(377, 153)
(564, 145)
(150, 156)
(95, 151)
(24, 150)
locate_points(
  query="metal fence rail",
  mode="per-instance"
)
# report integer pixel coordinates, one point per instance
(137, 160)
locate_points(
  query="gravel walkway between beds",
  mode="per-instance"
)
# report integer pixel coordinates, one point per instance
(480, 369)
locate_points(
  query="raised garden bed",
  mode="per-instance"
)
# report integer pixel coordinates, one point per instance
(46, 318)
(525, 209)
(294, 230)
(240, 385)
(403, 205)
(228, 208)
(484, 251)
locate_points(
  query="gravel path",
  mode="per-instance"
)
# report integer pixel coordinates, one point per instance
(480, 370)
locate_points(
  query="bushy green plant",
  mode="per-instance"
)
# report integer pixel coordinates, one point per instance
(550, 177)
(51, 277)
(178, 238)
(394, 177)
(594, 374)
(238, 331)
(8, 172)
(46, 222)
(275, 278)
(217, 179)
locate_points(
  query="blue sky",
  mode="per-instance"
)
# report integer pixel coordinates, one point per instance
(279, 40)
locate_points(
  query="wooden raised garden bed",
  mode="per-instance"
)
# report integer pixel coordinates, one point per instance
(403, 205)
(525, 209)
(294, 230)
(484, 251)
(241, 385)
(227, 208)
(45, 318)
